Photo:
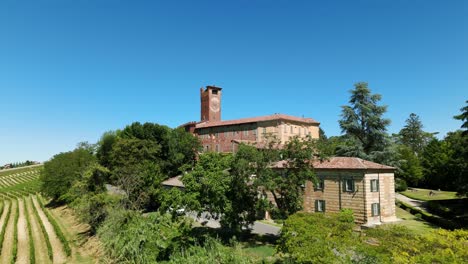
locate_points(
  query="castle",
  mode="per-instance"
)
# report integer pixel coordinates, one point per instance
(365, 187)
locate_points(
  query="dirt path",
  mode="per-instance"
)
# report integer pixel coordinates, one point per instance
(40, 246)
(57, 248)
(413, 202)
(7, 248)
(23, 237)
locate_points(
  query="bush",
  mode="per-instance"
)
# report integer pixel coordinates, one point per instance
(211, 252)
(130, 237)
(316, 238)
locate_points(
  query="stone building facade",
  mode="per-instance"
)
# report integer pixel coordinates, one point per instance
(366, 187)
(224, 136)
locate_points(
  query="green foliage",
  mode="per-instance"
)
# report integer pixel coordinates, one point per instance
(57, 229)
(464, 118)
(32, 250)
(445, 163)
(129, 237)
(362, 121)
(211, 252)
(410, 168)
(400, 185)
(412, 135)
(317, 238)
(93, 209)
(104, 148)
(14, 254)
(63, 170)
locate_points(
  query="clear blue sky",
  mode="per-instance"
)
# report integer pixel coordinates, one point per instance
(70, 70)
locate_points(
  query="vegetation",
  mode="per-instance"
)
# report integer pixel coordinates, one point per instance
(32, 249)
(15, 235)
(2, 233)
(58, 231)
(44, 231)
(318, 238)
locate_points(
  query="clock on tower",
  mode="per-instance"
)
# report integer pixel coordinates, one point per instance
(210, 103)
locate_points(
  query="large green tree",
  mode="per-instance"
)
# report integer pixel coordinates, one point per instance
(413, 135)
(63, 170)
(363, 123)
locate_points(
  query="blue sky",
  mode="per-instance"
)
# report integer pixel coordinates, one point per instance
(71, 70)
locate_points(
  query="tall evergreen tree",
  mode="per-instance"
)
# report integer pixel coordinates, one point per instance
(362, 120)
(412, 134)
(464, 117)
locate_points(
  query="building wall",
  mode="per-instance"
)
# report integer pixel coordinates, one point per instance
(220, 138)
(360, 200)
(385, 197)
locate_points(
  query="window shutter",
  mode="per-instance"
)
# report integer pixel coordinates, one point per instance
(316, 205)
(323, 184)
(344, 186)
(353, 185)
(324, 203)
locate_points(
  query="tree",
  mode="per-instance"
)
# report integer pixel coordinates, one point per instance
(464, 117)
(63, 170)
(412, 134)
(410, 168)
(362, 120)
(226, 195)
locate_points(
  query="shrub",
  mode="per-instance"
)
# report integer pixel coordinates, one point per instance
(211, 252)
(316, 238)
(130, 237)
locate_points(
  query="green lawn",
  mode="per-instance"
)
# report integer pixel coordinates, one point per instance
(412, 222)
(259, 251)
(423, 194)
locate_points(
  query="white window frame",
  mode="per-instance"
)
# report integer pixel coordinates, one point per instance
(374, 185)
(375, 209)
(320, 206)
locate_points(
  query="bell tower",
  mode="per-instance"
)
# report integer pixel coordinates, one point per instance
(210, 103)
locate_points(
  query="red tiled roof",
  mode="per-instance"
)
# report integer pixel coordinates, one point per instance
(342, 163)
(257, 119)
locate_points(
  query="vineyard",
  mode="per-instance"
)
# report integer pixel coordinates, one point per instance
(29, 231)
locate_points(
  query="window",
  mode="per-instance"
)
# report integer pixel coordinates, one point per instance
(217, 148)
(320, 184)
(375, 209)
(374, 185)
(216, 135)
(292, 129)
(214, 91)
(348, 185)
(285, 128)
(264, 130)
(319, 205)
(246, 132)
(207, 148)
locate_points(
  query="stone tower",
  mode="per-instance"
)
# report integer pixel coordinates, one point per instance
(210, 103)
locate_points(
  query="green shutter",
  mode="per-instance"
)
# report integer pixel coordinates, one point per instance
(316, 205)
(353, 186)
(324, 203)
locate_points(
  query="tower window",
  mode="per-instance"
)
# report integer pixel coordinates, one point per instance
(214, 91)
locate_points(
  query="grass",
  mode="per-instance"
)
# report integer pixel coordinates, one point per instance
(15, 235)
(57, 229)
(19, 170)
(424, 194)
(413, 223)
(32, 250)
(44, 232)
(2, 234)
(259, 251)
